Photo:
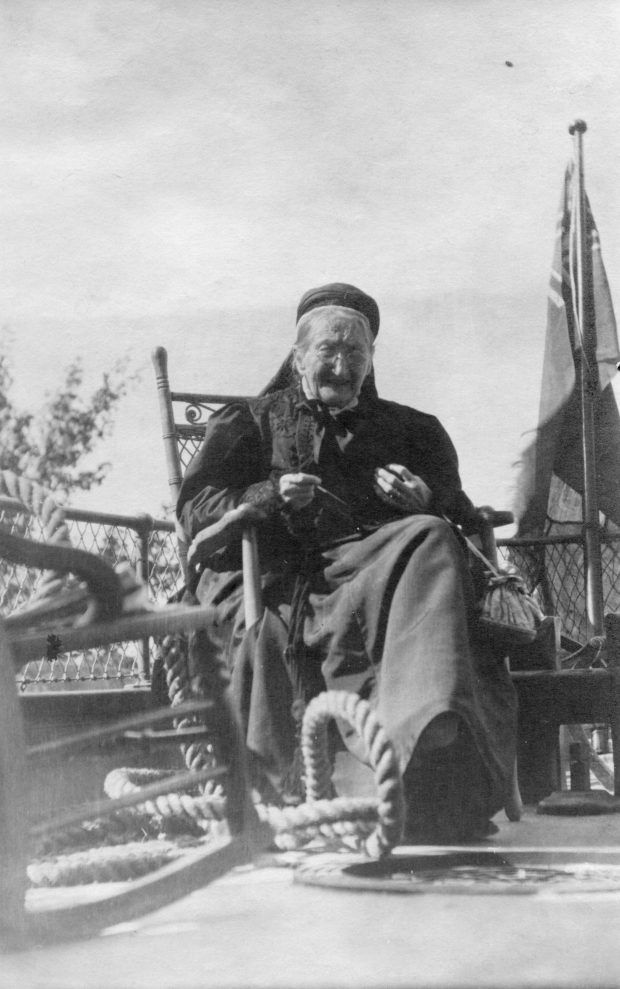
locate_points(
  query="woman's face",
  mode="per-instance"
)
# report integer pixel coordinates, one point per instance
(334, 361)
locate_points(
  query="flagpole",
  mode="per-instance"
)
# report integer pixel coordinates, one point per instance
(587, 389)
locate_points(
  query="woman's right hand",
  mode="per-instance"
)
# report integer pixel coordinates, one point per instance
(298, 490)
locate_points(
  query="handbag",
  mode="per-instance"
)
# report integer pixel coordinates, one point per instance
(508, 613)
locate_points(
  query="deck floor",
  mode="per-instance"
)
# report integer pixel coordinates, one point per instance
(255, 927)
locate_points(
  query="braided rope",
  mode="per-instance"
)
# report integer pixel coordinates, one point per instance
(370, 825)
(120, 827)
(124, 782)
(200, 754)
(377, 822)
(103, 864)
(34, 499)
(39, 501)
(378, 751)
(330, 815)
(340, 820)
(333, 817)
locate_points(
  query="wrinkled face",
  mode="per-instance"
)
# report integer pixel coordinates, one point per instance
(334, 355)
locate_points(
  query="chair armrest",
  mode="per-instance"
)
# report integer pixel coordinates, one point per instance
(222, 533)
(235, 525)
(495, 519)
(488, 520)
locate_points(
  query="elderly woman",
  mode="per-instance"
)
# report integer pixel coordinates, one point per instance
(366, 583)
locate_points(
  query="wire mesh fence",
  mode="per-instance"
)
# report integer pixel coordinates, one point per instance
(147, 544)
(553, 568)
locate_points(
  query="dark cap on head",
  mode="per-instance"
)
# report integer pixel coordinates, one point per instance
(340, 294)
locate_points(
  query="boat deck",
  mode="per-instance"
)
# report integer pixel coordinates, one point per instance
(257, 927)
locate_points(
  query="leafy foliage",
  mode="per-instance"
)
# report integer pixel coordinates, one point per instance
(51, 444)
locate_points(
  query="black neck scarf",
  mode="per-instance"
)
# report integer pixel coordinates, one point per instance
(336, 425)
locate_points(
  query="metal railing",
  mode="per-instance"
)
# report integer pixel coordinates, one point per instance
(552, 567)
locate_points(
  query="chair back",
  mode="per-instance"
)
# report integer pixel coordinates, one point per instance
(183, 417)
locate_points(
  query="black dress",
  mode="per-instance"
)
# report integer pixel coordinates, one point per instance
(388, 609)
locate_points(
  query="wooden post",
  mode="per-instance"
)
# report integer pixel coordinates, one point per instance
(587, 383)
(13, 804)
(612, 630)
(159, 357)
(252, 591)
(579, 758)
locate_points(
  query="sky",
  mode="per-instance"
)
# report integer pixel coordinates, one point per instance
(179, 172)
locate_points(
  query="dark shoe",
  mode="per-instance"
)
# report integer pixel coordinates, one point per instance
(447, 793)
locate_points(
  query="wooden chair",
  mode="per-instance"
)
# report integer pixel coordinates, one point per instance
(550, 699)
(97, 611)
(548, 695)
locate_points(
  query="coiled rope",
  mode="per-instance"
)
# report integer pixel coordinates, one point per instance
(370, 825)
(56, 551)
(379, 753)
(375, 824)
(34, 499)
(101, 865)
(174, 649)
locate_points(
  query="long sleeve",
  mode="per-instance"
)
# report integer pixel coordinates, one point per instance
(449, 498)
(441, 473)
(417, 440)
(229, 469)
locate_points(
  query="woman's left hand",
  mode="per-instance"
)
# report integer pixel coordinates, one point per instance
(402, 490)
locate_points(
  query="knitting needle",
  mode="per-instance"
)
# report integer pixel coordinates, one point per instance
(333, 497)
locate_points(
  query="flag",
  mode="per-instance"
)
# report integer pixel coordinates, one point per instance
(550, 482)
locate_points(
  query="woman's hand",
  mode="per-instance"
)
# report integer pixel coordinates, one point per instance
(402, 490)
(298, 490)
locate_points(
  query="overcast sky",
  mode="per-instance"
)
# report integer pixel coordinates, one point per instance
(180, 172)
